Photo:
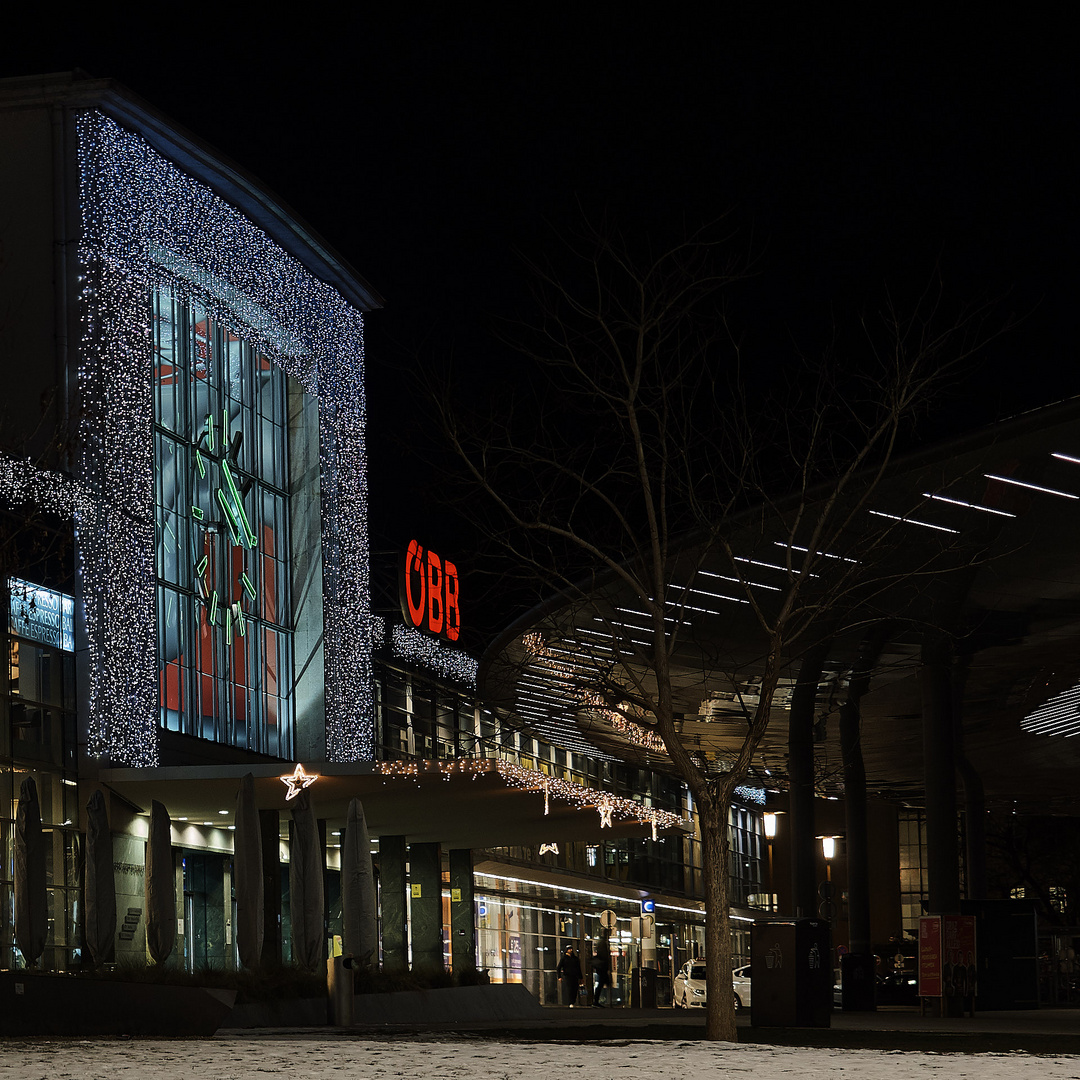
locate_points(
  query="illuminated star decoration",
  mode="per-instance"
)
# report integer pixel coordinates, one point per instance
(297, 781)
(553, 848)
(606, 808)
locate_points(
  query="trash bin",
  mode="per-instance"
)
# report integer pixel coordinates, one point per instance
(339, 990)
(857, 982)
(643, 988)
(792, 973)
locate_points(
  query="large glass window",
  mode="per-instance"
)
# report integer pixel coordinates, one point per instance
(224, 624)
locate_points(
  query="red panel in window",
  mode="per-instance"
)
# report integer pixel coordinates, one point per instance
(269, 577)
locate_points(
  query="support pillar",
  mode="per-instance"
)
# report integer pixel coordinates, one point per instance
(392, 886)
(974, 802)
(425, 891)
(939, 768)
(269, 834)
(857, 967)
(801, 784)
(462, 914)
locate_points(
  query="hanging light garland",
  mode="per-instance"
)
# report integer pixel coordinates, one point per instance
(635, 733)
(607, 805)
(409, 644)
(145, 224)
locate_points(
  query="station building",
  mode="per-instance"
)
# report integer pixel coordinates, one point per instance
(184, 561)
(185, 565)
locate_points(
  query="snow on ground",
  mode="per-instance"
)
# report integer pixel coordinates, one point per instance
(319, 1057)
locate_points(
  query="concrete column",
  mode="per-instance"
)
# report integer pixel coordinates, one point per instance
(939, 770)
(392, 885)
(801, 784)
(462, 909)
(425, 890)
(974, 800)
(269, 825)
(857, 967)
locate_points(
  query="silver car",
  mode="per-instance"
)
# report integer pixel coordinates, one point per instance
(690, 985)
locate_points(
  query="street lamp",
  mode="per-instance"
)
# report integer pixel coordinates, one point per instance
(769, 822)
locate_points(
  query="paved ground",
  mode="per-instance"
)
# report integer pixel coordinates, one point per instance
(1041, 1031)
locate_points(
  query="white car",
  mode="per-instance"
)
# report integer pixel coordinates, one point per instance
(690, 985)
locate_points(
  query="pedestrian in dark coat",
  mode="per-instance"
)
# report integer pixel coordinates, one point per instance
(602, 967)
(569, 972)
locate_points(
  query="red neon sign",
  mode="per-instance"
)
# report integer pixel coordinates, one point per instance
(429, 592)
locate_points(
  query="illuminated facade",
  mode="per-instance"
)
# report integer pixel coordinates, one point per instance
(200, 355)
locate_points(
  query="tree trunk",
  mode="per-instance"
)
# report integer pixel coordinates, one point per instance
(720, 1004)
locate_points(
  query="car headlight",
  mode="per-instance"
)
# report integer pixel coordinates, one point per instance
(699, 993)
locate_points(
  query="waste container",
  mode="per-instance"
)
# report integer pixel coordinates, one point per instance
(792, 974)
(857, 982)
(339, 990)
(643, 988)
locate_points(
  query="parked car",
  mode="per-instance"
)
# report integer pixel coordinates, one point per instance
(740, 981)
(896, 988)
(690, 986)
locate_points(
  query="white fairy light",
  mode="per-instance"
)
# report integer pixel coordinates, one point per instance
(409, 644)
(145, 224)
(531, 780)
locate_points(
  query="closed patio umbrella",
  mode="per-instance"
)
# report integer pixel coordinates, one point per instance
(359, 935)
(160, 886)
(31, 898)
(100, 886)
(248, 876)
(306, 896)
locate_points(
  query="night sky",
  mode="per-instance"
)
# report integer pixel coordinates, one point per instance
(430, 143)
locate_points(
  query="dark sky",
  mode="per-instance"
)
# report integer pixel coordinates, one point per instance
(428, 143)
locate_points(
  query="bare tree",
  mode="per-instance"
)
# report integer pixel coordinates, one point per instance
(697, 524)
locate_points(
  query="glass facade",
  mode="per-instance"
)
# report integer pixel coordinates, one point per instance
(523, 923)
(37, 739)
(221, 506)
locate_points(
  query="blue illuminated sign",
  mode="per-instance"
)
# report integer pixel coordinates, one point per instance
(648, 907)
(41, 615)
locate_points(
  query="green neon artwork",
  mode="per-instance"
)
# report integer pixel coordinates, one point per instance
(230, 517)
(238, 504)
(224, 538)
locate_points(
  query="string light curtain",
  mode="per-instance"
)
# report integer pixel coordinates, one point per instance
(146, 225)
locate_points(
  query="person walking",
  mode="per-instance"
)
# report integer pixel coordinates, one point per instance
(569, 972)
(602, 967)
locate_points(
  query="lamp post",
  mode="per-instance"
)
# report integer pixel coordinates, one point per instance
(827, 909)
(769, 822)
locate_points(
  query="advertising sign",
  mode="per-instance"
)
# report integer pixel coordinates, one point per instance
(930, 956)
(958, 970)
(430, 589)
(41, 615)
(947, 965)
